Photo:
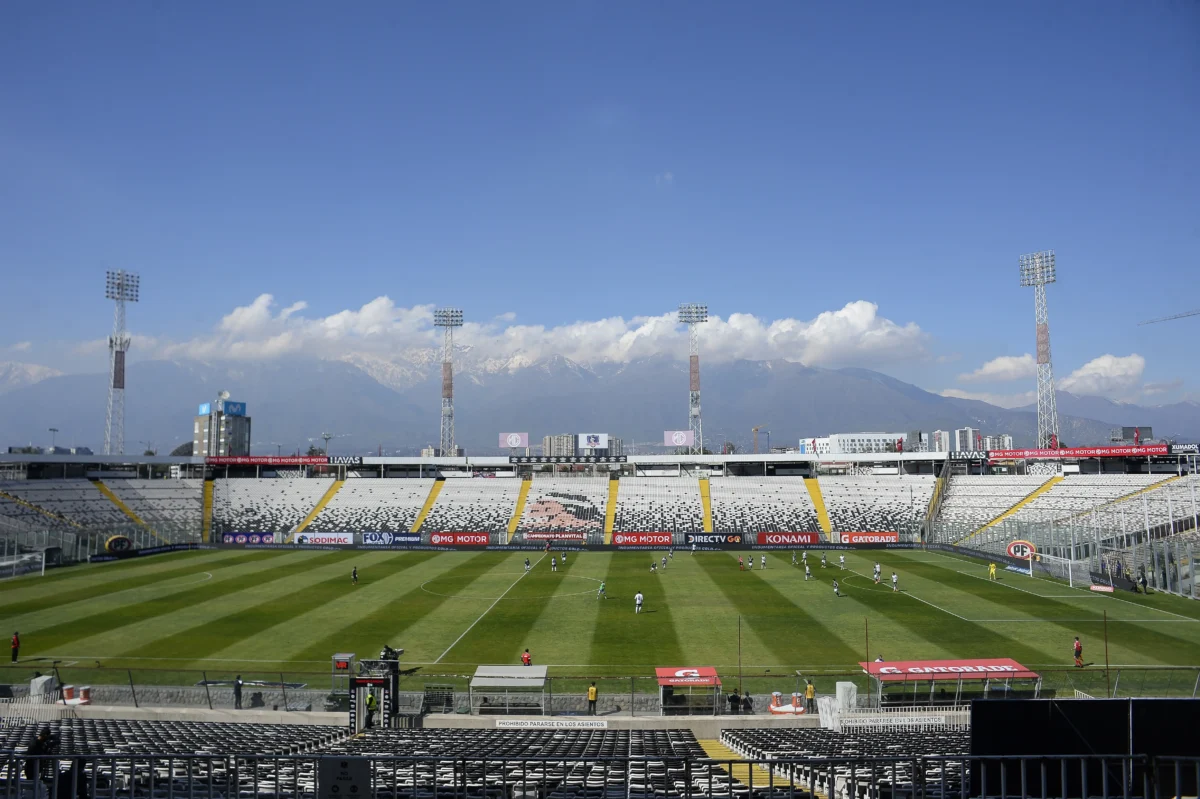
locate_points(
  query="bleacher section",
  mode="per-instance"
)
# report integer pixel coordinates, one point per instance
(172, 504)
(373, 505)
(873, 504)
(762, 504)
(1079, 493)
(263, 506)
(565, 505)
(473, 505)
(977, 499)
(659, 505)
(19, 517)
(78, 501)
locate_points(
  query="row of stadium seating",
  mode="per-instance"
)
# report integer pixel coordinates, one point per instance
(579, 505)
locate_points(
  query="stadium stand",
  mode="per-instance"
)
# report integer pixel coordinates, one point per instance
(565, 505)
(473, 505)
(77, 501)
(264, 506)
(373, 505)
(1080, 493)
(874, 504)
(173, 504)
(659, 505)
(762, 504)
(977, 499)
(19, 517)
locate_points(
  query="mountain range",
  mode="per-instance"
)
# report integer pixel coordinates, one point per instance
(371, 403)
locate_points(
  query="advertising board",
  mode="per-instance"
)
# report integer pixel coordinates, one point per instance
(513, 440)
(324, 539)
(248, 538)
(390, 539)
(345, 460)
(1185, 449)
(232, 408)
(266, 460)
(459, 539)
(1078, 452)
(713, 539)
(679, 438)
(642, 539)
(787, 539)
(535, 459)
(978, 669)
(1021, 550)
(593, 441)
(868, 538)
(574, 536)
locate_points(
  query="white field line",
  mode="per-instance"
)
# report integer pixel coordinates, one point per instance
(489, 610)
(913, 596)
(1087, 591)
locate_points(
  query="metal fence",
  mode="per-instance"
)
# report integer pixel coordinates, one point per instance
(306, 776)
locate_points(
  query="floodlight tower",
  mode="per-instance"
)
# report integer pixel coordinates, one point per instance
(120, 287)
(1037, 269)
(448, 319)
(694, 314)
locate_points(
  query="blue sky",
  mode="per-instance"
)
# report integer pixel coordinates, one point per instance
(557, 164)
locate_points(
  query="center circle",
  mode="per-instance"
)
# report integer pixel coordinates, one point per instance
(426, 589)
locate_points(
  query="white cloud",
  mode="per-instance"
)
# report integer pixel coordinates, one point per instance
(853, 335)
(21, 346)
(1002, 369)
(507, 316)
(1151, 389)
(1106, 376)
(1001, 400)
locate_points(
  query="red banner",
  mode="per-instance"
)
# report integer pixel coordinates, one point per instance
(687, 675)
(642, 539)
(986, 669)
(785, 539)
(869, 538)
(460, 539)
(1078, 452)
(555, 536)
(267, 460)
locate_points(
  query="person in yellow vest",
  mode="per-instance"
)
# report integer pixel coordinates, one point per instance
(810, 695)
(592, 699)
(372, 703)
(991, 571)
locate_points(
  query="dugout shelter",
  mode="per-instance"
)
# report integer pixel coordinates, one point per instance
(509, 690)
(950, 682)
(688, 691)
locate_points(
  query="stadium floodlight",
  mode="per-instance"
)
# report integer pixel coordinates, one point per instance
(693, 314)
(120, 287)
(1037, 270)
(447, 319)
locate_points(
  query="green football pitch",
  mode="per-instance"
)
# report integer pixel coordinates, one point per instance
(265, 612)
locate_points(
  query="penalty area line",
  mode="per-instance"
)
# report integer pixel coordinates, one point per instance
(486, 612)
(914, 596)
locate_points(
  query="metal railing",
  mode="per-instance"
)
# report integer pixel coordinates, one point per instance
(193, 776)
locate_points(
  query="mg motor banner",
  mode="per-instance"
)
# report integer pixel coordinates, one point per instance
(1078, 452)
(513, 440)
(460, 539)
(679, 438)
(390, 539)
(575, 536)
(868, 538)
(642, 539)
(325, 539)
(788, 539)
(266, 460)
(985, 669)
(684, 676)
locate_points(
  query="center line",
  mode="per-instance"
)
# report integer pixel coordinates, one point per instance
(489, 609)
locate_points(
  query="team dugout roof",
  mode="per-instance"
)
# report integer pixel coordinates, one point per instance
(910, 670)
(512, 677)
(687, 676)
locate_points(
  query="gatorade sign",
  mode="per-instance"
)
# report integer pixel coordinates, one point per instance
(1021, 550)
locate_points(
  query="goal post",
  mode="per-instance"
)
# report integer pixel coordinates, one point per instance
(1076, 573)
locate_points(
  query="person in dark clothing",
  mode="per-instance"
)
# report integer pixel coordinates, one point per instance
(237, 693)
(747, 705)
(735, 702)
(42, 745)
(16, 646)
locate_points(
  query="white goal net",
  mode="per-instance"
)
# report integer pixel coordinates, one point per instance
(1076, 573)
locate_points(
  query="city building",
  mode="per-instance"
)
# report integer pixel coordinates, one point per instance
(434, 452)
(939, 441)
(1002, 441)
(966, 438)
(853, 443)
(221, 427)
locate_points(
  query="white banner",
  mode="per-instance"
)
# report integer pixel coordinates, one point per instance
(551, 724)
(513, 440)
(679, 438)
(324, 539)
(590, 441)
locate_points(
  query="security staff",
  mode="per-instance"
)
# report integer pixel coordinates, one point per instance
(372, 704)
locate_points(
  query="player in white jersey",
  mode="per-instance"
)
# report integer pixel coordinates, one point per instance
(762, 564)
(807, 572)
(664, 563)
(553, 563)
(637, 602)
(895, 580)
(842, 561)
